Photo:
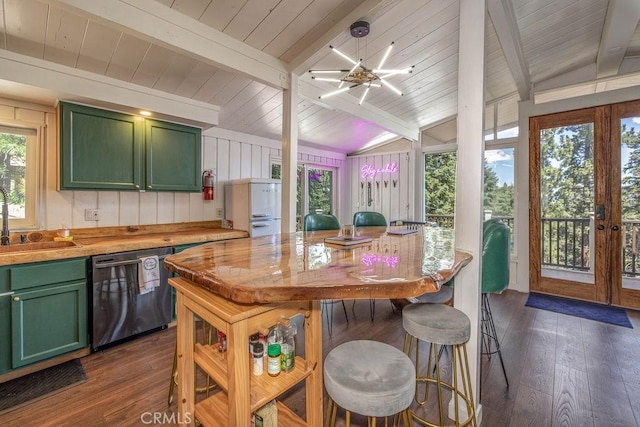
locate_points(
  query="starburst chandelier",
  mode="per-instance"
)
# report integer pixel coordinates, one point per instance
(359, 74)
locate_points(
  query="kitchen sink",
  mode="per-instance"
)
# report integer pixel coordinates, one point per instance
(36, 246)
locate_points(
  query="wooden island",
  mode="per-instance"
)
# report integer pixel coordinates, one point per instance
(242, 286)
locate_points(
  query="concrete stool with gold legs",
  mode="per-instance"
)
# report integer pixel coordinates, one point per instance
(369, 378)
(439, 324)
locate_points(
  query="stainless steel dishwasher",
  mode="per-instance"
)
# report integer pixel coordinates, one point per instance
(119, 310)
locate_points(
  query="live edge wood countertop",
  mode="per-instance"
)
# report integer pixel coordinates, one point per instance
(40, 245)
(301, 266)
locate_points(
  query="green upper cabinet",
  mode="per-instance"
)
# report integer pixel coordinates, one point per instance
(173, 154)
(100, 149)
(105, 150)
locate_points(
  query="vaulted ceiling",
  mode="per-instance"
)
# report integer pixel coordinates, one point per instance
(225, 62)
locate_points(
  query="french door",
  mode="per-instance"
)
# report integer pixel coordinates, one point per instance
(585, 204)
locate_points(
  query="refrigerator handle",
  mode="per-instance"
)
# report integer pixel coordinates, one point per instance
(264, 215)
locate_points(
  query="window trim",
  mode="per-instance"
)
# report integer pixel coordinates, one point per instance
(33, 174)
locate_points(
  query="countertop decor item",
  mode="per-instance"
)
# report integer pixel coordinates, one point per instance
(357, 240)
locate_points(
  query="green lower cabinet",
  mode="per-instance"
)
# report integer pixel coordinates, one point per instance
(48, 321)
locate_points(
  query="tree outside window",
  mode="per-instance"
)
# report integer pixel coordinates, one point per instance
(440, 186)
(13, 159)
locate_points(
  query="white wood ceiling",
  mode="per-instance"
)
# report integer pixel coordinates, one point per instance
(173, 47)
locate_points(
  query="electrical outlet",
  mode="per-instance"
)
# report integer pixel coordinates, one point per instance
(219, 213)
(91, 215)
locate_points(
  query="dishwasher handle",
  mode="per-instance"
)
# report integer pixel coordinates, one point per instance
(106, 264)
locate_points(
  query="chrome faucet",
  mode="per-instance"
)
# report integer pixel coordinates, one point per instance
(4, 239)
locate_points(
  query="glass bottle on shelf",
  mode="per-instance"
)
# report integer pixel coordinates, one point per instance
(288, 347)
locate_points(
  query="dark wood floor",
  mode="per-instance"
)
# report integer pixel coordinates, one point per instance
(563, 371)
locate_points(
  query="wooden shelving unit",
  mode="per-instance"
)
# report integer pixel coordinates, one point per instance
(242, 393)
(212, 412)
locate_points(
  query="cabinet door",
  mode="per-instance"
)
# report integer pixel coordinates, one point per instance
(173, 155)
(99, 149)
(5, 320)
(48, 321)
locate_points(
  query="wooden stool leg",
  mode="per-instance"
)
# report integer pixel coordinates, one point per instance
(174, 372)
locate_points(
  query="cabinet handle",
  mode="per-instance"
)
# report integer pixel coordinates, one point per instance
(149, 187)
(137, 186)
(16, 298)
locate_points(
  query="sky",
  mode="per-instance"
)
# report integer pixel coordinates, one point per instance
(501, 161)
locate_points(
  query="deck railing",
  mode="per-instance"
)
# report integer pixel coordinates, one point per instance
(566, 242)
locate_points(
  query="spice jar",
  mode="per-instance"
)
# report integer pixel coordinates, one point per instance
(273, 359)
(257, 352)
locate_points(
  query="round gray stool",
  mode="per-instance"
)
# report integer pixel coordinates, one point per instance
(439, 324)
(369, 378)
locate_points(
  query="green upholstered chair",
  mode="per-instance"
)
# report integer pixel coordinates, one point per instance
(495, 279)
(318, 222)
(365, 219)
(369, 219)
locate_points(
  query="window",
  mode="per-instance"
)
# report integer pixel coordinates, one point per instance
(19, 174)
(276, 171)
(315, 194)
(499, 184)
(440, 186)
(320, 190)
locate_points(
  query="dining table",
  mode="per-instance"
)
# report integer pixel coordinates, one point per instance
(242, 287)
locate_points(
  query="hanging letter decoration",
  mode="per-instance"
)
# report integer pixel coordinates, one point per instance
(370, 171)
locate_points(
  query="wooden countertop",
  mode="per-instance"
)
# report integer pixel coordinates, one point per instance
(300, 266)
(104, 240)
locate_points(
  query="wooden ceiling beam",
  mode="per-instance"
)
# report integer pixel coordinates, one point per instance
(505, 23)
(349, 104)
(619, 25)
(72, 84)
(161, 25)
(305, 60)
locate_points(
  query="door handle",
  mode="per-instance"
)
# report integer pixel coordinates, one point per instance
(600, 227)
(615, 228)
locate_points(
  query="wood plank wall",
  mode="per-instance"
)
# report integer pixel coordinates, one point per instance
(390, 193)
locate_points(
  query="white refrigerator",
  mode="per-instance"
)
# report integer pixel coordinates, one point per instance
(254, 205)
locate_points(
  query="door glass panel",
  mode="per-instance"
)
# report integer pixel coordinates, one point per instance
(567, 193)
(299, 197)
(630, 200)
(440, 188)
(320, 183)
(499, 186)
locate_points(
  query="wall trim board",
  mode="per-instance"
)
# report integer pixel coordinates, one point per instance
(217, 132)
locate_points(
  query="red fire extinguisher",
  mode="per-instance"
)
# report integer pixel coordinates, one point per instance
(208, 183)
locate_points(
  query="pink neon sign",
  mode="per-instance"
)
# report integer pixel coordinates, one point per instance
(370, 171)
(389, 260)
